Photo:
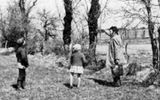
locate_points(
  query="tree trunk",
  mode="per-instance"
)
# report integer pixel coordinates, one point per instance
(159, 47)
(159, 3)
(24, 17)
(159, 40)
(154, 45)
(45, 41)
(152, 37)
(67, 23)
(93, 16)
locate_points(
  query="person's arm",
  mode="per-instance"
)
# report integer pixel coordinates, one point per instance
(84, 61)
(70, 58)
(103, 31)
(107, 33)
(23, 57)
(70, 61)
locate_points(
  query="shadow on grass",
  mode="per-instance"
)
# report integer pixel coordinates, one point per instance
(14, 86)
(103, 82)
(92, 70)
(68, 85)
(111, 84)
(97, 66)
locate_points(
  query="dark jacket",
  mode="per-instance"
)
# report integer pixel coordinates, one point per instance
(21, 54)
(78, 59)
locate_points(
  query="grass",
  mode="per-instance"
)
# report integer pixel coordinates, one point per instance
(47, 81)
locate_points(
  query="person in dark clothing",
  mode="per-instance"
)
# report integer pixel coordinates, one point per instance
(22, 62)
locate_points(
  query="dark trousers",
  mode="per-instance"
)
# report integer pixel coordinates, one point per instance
(21, 78)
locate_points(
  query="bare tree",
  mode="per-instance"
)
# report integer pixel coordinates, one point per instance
(67, 23)
(159, 47)
(3, 29)
(25, 14)
(159, 40)
(10, 26)
(48, 25)
(159, 3)
(93, 16)
(146, 16)
(147, 4)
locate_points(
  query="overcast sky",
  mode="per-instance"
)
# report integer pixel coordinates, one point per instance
(51, 5)
(41, 4)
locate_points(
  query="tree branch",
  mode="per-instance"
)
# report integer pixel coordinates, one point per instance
(59, 13)
(77, 4)
(159, 3)
(22, 5)
(30, 8)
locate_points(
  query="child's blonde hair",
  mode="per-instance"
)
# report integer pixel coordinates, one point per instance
(77, 47)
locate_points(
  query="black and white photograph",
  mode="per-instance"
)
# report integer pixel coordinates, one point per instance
(79, 49)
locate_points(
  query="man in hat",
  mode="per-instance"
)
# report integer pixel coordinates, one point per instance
(22, 62)
(115, 56)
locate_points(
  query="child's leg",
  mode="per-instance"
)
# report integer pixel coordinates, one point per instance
(79, 80)
(23, 79)
(19, 80)
(119, 80)
(71, 79)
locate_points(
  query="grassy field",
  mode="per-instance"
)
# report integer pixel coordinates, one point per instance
(140, 53)
(47, 81)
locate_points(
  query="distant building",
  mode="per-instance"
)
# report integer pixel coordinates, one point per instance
(140, 33)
